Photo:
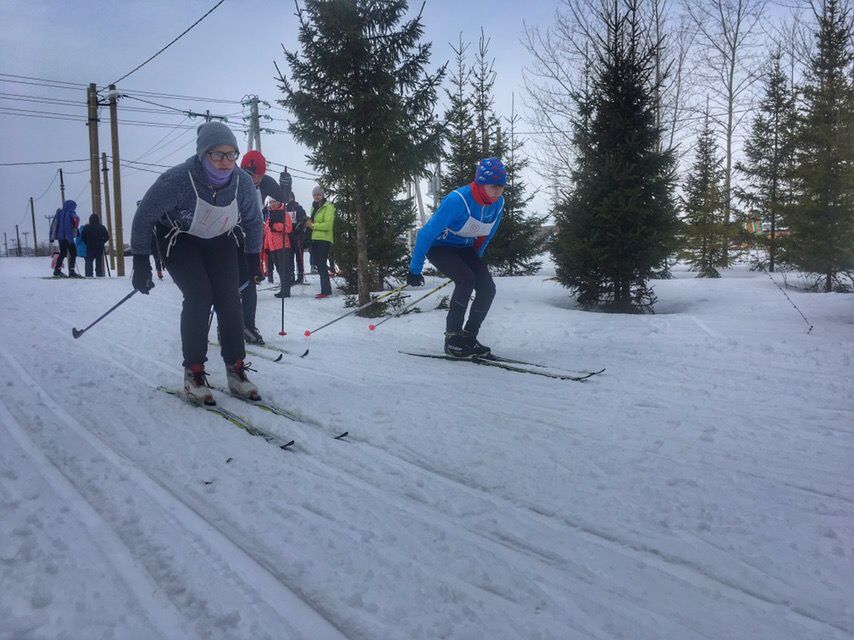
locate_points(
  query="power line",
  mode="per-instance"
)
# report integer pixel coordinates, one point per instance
(17, 164)
(44, 193)
(12, 75)
(170, 44)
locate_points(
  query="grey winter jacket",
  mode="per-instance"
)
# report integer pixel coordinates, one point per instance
(172, 195)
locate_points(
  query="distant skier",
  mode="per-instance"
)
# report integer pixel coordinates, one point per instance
(94, 236)
(194, 209)
(454, 240)
(64, 231)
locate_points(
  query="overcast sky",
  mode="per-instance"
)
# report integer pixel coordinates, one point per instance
(228, 55)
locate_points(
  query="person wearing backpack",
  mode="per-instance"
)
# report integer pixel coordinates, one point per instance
(64, 227)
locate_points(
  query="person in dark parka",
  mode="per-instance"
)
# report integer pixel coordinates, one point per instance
(94, 236)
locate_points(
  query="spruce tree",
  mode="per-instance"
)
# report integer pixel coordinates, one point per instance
(363, 103)
(821, 221)
(486, 123)
(618, 223)
(460, 154)
(769, 156)
(704, 209)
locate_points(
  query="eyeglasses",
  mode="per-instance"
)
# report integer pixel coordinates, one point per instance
(219, 156)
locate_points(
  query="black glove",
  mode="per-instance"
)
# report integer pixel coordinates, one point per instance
(141, 280)
(414, 279)
(253, 262)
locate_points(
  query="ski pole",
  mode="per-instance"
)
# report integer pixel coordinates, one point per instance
(79, 332)
(410, 305)
(309, 332)
(283, 332)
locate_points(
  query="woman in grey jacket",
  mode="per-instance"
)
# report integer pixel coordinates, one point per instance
(196, 210)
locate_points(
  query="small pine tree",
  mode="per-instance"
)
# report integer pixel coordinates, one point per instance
(618, 223)
(460, 154)
(704, 209)
(363, 102)
(821, 221)
(769, 156)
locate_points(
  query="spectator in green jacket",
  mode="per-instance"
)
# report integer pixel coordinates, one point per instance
(321, 222)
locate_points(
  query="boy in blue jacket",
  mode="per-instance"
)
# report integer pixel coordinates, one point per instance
(454, 240)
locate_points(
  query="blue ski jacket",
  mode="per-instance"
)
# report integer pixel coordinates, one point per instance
(453, 213)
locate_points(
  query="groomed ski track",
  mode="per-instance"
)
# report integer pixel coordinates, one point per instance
(524, 514)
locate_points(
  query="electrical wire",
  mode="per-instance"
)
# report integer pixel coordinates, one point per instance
(44, 193)
(18, 164)
(138, 67)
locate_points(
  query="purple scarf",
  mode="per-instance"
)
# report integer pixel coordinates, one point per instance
(216, 177)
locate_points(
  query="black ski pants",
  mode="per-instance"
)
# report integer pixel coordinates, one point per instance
(66, 248)
(320, 253)
(94, 255)
(469, 273)
(281, 259)
(207, 273)
(249, 294)
(297, 257)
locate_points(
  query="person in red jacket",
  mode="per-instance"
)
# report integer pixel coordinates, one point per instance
(278, 244)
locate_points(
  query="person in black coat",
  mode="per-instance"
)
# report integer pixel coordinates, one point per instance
(298, 217)
(95, 236)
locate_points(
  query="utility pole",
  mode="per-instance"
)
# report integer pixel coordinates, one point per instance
(105, 171)
(92, 123)
(35, 237)
(117, 183)
(6, 244)
(18, 243)
(26, 239)
(254, 123)
(61, 188)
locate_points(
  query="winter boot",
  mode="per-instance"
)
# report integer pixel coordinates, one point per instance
(480, 350)
(459, 345)
(73, 274)
(195, 385)
(251, 335)
(239, 383)
(58, 274)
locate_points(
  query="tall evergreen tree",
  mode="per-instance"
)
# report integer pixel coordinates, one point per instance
(518, 241)
(486, 123)
(619, 221)
(821, 221)
(363, 103)
(704, 209)
(460, 154)
(769, 157)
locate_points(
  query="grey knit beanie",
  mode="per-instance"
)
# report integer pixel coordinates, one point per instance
(318, 191)
(213, 134)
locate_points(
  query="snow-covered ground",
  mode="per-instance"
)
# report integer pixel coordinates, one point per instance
(700, 488)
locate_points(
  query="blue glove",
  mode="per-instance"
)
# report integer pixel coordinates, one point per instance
(141, 279)
(414, 279)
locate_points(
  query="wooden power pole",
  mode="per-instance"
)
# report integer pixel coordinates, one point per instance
(17, 242)
(61, 188)
(117, 183)
(35, 237)
(92, 123)
(105, 171)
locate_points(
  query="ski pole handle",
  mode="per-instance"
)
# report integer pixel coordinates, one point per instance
(79, 332)
(309, 332)
(410, 305)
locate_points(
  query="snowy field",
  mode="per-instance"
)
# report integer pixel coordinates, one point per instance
(701, 487)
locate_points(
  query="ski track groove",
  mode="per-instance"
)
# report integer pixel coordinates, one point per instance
(159, 609)
(690, 572)
(209, 538)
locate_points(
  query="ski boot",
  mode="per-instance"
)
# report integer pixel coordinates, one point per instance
(160, 274)
(239, 383)
(196, 386)
(480, 350)
(73, 274)
(251, 335)
(458, 345)
(58, 274)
